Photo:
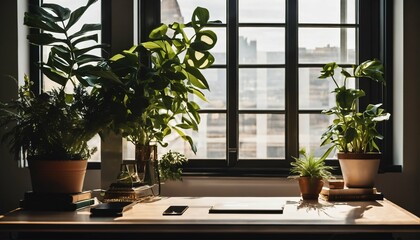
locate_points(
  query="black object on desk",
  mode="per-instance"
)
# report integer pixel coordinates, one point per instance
(175, 210)
(111, 209)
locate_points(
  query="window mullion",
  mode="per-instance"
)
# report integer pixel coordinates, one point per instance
(292, 86)
(232, 83)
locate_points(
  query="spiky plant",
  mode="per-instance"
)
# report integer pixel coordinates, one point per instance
(306, 165)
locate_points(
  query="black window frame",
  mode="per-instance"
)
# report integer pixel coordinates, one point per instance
(374, 20)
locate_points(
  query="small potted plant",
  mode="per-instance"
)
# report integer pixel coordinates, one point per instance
(310, 172)
(170, 166)
(354, 133)
(51, 129)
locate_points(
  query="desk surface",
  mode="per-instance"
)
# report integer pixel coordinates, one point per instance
(298, 216)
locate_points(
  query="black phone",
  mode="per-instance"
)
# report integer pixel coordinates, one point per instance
(175, 210)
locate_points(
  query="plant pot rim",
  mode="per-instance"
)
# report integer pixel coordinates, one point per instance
(318, 178)
(369, 155)
(57, 160)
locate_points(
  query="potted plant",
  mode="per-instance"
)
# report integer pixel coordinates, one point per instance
(310, 172)
(170, 166)
(353, 133)
(51, 129)
(148, 102)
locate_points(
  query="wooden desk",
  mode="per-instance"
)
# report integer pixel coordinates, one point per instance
(299, 217)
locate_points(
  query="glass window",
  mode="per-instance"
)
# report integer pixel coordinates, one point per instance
(265, 98)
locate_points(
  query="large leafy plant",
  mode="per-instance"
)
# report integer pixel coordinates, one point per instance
(57, 124)
(351, 130)
(149, 102)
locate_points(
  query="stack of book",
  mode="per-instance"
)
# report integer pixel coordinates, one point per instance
(350, 194)
(56, 201)
(127, 194)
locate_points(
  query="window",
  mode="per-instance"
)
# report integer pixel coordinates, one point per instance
(266, 100)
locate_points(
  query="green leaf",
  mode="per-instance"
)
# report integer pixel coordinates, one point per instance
(69, 98)
(345, 73)
(76, 14)
(152, 45)
(350, 134)
(54, 76)
(159, 32)
(372, 69)
(200, 18)
(328, 70)
(345, 98)
(93, 37)
(199, 94)
(61, 12)
(88, 59)
(44, 14)
(100, 72)
(34, 21)
(196, 78)
(43, 39)
(204, 41)
(85, 29)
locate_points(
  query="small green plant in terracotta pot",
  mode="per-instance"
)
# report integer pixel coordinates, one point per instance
(310, 172)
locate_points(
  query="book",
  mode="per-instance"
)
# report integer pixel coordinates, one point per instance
(350, 194)
(348, 191)
(127, 194)
(248, 208)
(111, 209)
(57, 197)
(55, 206)
(353, 197)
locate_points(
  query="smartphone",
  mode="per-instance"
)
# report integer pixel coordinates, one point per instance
(175, 210)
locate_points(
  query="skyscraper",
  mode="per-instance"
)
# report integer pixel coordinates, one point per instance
(171, 12)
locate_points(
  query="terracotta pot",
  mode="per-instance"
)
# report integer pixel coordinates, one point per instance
(359, 170)
(310, 187)
(66, 176)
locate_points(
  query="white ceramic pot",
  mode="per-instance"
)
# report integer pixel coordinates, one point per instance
(359, 170)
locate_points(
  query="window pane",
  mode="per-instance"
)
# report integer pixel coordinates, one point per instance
(261, 136)
(311, 128)
(322, 45)
(261, 88)
(216, 78)
(315, 93)
(327, 11)
(263, 45)
(182, 10)
(210, 140)
(271, 11)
